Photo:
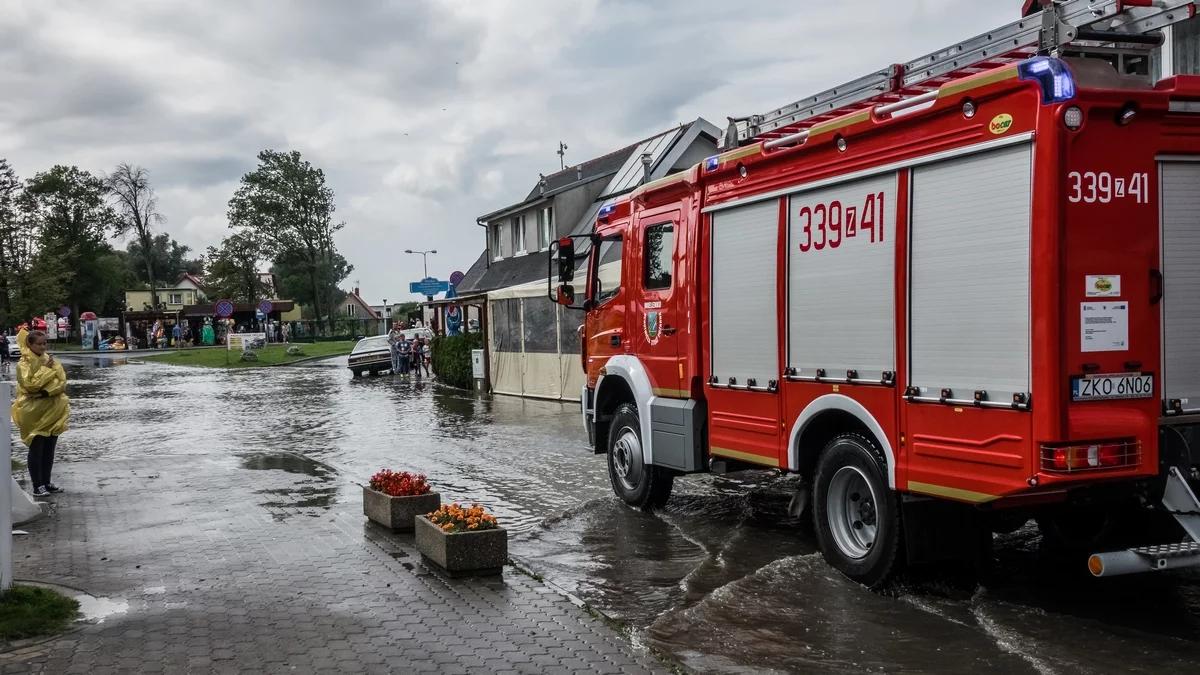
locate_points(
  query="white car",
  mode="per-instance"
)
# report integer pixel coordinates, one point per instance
(425, 333)
(14, 349)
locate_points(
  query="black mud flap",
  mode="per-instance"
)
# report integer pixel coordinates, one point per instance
(936, 530)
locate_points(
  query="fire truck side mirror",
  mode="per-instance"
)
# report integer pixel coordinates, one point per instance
(566, 260)
(565, 295)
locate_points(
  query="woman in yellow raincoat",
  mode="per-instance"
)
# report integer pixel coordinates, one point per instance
(41, 409)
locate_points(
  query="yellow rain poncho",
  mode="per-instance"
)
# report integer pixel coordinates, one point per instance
(41, 408)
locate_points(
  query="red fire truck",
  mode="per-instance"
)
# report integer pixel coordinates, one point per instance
(953, 295)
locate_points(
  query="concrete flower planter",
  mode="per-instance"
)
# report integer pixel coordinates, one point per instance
(462, 554)
(397, 513)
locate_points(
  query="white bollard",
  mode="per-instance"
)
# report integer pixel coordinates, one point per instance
(6, 496)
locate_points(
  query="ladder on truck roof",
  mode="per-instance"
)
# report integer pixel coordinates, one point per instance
(1077, 24)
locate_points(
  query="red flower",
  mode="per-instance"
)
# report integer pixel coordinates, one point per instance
(399, 483)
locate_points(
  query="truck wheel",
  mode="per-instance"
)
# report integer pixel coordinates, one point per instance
(857, 517)
(356, 373)
(635, 482)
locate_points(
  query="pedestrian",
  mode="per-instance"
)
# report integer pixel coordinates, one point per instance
(418, 355)
(393, 339)
(428, 352)
(287, 333)
(41, 409)
(404, 349)
(5, 357)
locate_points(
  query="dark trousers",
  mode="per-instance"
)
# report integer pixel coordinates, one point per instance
(41, 459)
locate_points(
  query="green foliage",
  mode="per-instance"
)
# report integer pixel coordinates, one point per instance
(233, 268)
(286, 201)
(30, 611)
(66, 207)
(169, 259)
(452, 358)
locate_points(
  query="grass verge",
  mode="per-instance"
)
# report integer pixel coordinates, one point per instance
(30, 611)
(271, 355)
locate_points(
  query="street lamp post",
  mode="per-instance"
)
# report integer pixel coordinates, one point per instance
(387, 316)
(424, 258)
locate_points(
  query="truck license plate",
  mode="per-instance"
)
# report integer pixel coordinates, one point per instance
(1119, 385)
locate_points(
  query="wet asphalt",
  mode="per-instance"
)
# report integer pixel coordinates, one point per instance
(722, 578)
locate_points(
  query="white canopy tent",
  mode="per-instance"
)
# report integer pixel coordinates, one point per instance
(533, 347)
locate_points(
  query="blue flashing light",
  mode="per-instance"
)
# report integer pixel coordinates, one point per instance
(606, 211)
(1052, 74)
(711, 163)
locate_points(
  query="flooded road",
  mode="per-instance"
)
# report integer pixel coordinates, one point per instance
(721, 578)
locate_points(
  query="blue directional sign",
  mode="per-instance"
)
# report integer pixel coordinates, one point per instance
(428, 286)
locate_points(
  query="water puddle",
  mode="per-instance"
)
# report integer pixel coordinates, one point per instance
(96, 610)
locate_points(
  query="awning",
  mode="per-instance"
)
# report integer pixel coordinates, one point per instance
(196, 311)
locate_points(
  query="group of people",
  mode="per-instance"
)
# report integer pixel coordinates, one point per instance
(41, 409)
(408, 356)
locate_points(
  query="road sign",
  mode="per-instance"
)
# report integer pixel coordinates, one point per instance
(456, 278)
(428, 286)
(64, 311)
(224, 308)
(265, 307)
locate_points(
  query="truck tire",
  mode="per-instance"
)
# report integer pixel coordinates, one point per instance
(635, 482)
(857, 517)
(357, 372)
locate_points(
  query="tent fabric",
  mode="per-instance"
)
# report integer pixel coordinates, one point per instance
(533, 347)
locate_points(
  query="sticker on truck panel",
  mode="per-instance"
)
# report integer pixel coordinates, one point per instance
(1102, 187)
(1103, 326)
(1000, 124)
(1102, 285)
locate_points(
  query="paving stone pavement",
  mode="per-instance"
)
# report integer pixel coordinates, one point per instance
(227, 569)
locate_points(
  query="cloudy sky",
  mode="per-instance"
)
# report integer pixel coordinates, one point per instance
(423, 114)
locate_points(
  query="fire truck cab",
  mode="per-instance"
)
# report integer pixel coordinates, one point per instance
(949, 313)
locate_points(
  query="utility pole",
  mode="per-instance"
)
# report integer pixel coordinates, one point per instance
(562, 155)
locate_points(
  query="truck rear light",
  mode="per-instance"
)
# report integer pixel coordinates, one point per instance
(1091, 456)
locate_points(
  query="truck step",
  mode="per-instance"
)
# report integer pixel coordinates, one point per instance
(1145, 559)
(1180, 501)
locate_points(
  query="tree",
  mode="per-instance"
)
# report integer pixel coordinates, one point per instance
(287, 202)
(137, 212)
(169, 260)
(11, 245)
(232, 269)
(295, 281)
(68, 208)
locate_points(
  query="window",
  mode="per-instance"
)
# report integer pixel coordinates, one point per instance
(175, 299)
(518, 234)
(351, 309)
(608, 275)
(494, 243)
(538, 326)
(660, 255)
(545, 223)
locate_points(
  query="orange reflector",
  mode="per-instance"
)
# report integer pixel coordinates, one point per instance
(1095, 565)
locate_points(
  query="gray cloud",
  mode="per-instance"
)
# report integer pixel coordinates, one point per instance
(424, 114)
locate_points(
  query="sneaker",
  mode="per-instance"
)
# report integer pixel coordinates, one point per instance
(41, 491)
(53, 488)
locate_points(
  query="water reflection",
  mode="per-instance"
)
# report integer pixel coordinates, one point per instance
(722, 577)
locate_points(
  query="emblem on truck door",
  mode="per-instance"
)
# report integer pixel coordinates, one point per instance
(653, 327)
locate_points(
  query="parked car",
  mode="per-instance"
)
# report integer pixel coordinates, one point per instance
(14, 349)
(425, 333)
(371, 355)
